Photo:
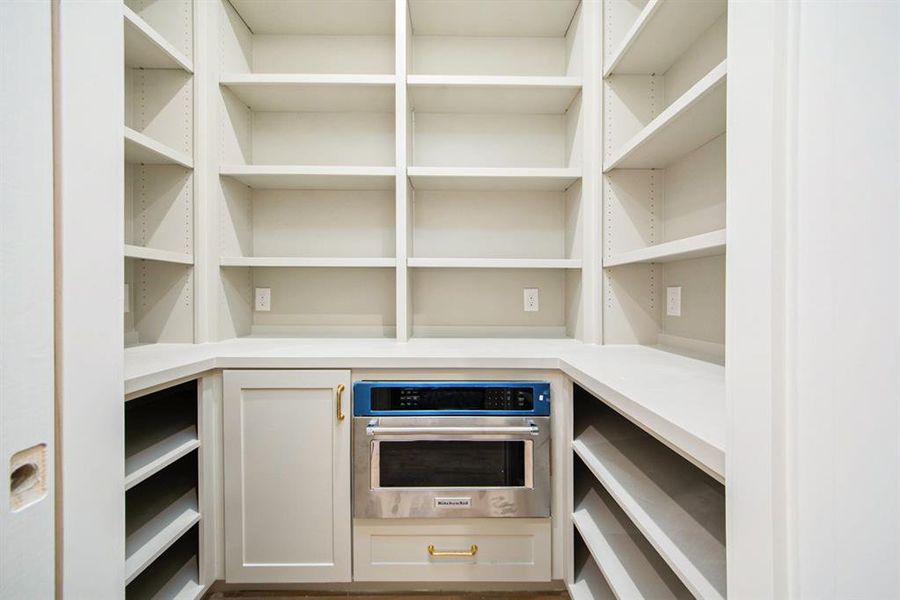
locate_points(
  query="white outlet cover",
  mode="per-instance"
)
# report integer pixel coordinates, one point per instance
(673, 301)
(532, 300)
(262, 299)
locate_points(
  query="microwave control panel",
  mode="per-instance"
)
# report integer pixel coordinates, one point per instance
(400, 398)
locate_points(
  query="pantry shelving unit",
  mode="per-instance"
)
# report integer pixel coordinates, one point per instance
(397, 169)
(162, 494)
(648, 509)
(664, 95)
(159, 179)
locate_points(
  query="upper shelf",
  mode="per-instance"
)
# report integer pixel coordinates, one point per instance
(695, 118)
(492, 94)
(496, 263)
(697, 246)
(142, 149)
(302, 177)
(318, 17)
(306, 261)
(661, 33)
(168, 256)
(145, 48)
(311, 93)
(493, 179)
(513, 18)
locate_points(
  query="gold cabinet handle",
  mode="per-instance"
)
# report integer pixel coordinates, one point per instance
(338, 393)
(470, 552)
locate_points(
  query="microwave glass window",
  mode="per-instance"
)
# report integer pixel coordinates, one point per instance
(452, 464)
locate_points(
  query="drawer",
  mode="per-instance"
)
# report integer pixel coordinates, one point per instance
(398, 549)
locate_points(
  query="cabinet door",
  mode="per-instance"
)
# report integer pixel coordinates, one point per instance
(287, 476)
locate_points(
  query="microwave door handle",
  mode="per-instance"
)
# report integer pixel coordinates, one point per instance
(476, 430)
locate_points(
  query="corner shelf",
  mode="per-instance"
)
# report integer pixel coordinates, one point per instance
(493, 179)
(302, 177)
(170, 522)
(495, 263)
(312, 92)
(303, 261)
(492, 94)
(140, 148)
(145, 48)
(167, 256)
(661, 33)
(695, 118)
(620, 553)
(679, 529)
(697, 246)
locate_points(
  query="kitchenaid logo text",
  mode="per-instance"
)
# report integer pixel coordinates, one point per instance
(452, 502)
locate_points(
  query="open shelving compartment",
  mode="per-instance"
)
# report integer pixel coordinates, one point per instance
(162, 494)
(495, 156)
(654, 522)
(158, 171)
(307, 168)
(664, 175)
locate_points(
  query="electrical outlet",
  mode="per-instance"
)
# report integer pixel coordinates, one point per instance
(673, 301)
(263, 301)
(532, 300)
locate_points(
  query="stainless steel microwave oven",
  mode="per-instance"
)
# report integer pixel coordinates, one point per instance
(451, 449)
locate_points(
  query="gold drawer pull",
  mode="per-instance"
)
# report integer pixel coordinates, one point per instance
(340, 411)
(470, 552)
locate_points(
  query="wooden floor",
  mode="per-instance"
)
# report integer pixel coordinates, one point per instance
(284, 595)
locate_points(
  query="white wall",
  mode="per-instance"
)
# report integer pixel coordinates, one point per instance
(26, 291)
(813, 325)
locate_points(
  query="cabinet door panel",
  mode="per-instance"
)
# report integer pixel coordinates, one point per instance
(287, 477)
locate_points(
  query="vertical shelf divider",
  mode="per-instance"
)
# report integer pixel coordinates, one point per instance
(402, 36)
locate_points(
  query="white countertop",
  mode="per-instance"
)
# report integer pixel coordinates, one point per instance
(679, 400)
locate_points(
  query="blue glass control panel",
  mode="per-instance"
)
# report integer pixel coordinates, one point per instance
(460, 398)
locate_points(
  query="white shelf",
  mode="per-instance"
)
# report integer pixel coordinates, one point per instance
(622, 560)
(677, 521)
(511, 18)
(697, 117)
(697, 246)
(489, 94)
(589, 584)
(493, 179)
(290, 177)
(141, 465)
(661, 33)
(143, 546)
(318, 17)
(495, 263)
(145, 48)
(313, 92)
(140, 148)
(184, 584)
(303, 261)
(158, 255)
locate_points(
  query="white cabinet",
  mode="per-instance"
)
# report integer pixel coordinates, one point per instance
(287, 476)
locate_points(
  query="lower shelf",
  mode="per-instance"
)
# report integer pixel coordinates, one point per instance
(589, 583)
(174, 575)
(158, 512)
(630, 566)
(679, 509)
